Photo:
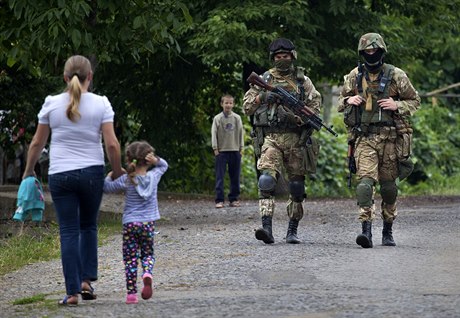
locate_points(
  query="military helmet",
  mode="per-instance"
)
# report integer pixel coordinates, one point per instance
(371, 41)
(282, 45)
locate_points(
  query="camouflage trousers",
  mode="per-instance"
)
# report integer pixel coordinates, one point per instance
(282, 151)
(376, 159)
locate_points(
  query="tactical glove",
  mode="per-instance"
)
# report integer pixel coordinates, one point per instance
(286, 117)
(268, 97)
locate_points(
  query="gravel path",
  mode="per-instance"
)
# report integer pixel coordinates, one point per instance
(210, 265)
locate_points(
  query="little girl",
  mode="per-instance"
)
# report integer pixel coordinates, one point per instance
(140, 213)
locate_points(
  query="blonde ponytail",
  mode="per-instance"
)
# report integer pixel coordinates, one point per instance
(74, 88)
(76, 69)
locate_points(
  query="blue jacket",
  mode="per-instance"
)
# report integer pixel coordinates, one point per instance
(31, 200)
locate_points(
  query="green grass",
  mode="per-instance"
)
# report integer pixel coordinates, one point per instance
(436, 184)
(40, 242)
(30, 300)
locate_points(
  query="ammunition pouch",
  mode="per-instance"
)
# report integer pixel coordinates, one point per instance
(352, 116)
(286, 119)
(405, 168)
(403, 147)
(311, 154)
(375, 128)
(403, 138)
(257, 136)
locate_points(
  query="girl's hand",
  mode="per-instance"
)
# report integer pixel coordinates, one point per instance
(151, 159)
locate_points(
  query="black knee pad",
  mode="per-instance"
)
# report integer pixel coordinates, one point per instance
(389, 192)
(364, 191)
(297, 189)
(266, 184)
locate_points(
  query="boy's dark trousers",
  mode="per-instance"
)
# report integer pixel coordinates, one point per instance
(232, 159)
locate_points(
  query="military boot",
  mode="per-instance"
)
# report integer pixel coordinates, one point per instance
(265, 233)
(387, 234)
(291, 236)
(365, 239)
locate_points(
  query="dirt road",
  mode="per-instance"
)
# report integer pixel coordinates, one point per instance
(210, 265)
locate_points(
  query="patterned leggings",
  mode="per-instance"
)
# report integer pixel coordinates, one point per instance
(137, 236)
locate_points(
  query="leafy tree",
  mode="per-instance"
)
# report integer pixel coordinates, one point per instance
(165, 64)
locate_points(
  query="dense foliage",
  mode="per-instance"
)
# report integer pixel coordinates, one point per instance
(165, 64)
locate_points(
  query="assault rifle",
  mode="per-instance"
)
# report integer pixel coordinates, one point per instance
(298, 107)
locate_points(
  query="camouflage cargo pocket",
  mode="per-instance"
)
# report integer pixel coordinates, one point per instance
(351, 116)
(403, 146)
(311, 155)
(403, 152)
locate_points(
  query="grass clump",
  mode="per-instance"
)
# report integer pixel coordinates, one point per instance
(30, 300)
(39, 242)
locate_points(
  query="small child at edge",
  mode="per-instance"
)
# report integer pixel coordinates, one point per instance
(139, 215)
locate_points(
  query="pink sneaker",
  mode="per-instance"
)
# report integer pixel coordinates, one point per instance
(147, 290)
(131, 299)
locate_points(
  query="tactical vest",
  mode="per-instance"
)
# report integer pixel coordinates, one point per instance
(267, 116)
(370, 116)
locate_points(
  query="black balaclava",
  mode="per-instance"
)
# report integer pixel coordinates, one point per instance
(373, 62)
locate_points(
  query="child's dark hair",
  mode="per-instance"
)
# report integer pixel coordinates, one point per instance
(135, 156)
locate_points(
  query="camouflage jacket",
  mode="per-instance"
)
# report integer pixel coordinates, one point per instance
(401, 90)
(312, 97)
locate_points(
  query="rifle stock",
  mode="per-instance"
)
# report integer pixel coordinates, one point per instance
(299, 108)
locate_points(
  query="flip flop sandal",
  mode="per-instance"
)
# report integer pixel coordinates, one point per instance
(88, 294)
(70, 301)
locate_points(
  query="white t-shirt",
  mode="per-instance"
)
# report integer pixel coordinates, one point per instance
(75, 145)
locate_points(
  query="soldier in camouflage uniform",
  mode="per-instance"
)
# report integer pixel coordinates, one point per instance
(281, 138)
(377, 99)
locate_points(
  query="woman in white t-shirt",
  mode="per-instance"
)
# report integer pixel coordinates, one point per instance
(76, 120)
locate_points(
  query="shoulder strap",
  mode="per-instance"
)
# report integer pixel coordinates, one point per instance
(359, 79)
(300, 76)
(384, 87)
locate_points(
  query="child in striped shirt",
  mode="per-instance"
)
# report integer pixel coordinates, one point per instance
(140, 213)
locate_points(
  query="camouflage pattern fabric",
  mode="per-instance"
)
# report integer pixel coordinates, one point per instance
(376, 155)
(282, 149)
(376, 158)
(371, 41)
(401, 90)
(267, 207)
(294, 210)
(312, 96)
(389, 212)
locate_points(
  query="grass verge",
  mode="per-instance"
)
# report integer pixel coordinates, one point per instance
(39, 242)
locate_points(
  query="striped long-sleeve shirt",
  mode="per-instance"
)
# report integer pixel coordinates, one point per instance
(141, 201)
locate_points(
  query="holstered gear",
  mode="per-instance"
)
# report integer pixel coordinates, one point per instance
(387, 234)
(291, 236)
(265, 233)
(365, 239)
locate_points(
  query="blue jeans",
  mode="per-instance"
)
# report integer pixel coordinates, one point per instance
(77, 196)
(232, 159)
